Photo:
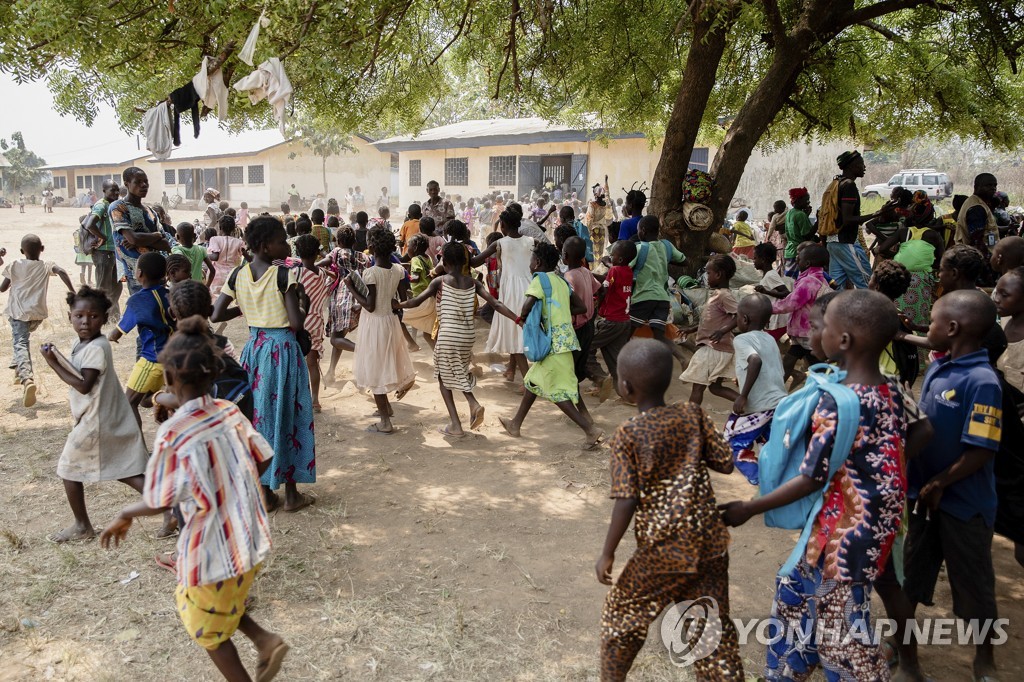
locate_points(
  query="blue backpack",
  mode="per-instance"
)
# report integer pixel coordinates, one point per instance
(537, 334)
(781, 457)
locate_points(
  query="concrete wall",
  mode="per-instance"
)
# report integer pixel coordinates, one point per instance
(72, 175)
(367, 167)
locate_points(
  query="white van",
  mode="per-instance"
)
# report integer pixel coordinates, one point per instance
(936, 184)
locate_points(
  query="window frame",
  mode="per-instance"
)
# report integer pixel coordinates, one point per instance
(453, 176)
(502, 177)
(263, 174)
(415, 178)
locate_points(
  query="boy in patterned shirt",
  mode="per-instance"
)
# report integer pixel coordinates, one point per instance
(660, 461)
(821, 614)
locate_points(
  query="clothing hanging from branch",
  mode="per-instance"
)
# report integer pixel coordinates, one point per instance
(249, 48)
(268, 82)
(184, 98)
(156, 125)
(211, 89)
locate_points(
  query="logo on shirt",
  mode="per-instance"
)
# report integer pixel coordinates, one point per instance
(691, 630)
(986, 422)
(946, 398)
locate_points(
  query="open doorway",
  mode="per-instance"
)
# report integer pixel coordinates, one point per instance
(556, 172)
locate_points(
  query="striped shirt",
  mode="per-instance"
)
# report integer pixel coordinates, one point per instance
(205, 461)
(261, 301)
(318, 288)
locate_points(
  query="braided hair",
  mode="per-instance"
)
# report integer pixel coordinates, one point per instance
(190, 298)
(511, 218)
(636, 200)
(966, 260)
(191, 356)
(380, 240)
(454, 254)
(97, 298)
(547, 256)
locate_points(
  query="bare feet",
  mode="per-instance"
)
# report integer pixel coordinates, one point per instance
(73, 533)
(476, 417)
(272, 502)
(169, 527)
(270, 655)
(301, 501)
(594, 438)
(509, 426)
(607, 389)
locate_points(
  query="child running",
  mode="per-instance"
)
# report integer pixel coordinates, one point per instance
(554, 377)
(283, 405)
(613, 328)
(759, 372)
(660, 461)
(424, 316)
(344, 309)
(585, 286)
(28, 280)
(772, 284)
(382, 363)
(226, 251)
(456, 294)
(196, 253)
(316, 282)
(207, 460)
(713, 361)
(104, 444)
(811, 260)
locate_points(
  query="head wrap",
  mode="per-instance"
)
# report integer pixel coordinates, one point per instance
(796, 193)
(846, 158)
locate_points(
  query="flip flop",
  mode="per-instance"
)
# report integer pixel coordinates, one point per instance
(165, 562)
(478, 418)
(316, 408)
(372, 428)
(443, 430)
(307, 501)
(400, 393)
(268, 669)
(607, 389)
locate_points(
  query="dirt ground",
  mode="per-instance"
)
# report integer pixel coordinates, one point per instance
(423, 558)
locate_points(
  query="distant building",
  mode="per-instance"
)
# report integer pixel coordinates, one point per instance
(75, 173)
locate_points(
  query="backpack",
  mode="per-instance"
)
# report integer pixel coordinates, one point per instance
(87, 241)
(537, 335)
(641, 253)
(781, 457)
(828, 212)
(906, 359)
(301, 335)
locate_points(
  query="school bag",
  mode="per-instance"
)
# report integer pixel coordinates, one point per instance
(302, 336)
(828, 212)
(781, 457)
(537, 334)
(642, 248)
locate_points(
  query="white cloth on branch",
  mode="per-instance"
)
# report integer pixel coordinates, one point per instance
(268, 82)
(156, 126)
(248, 50)
(212, 89)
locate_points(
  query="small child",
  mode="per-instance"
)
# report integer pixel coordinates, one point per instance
(567, 216)
(318, 230)
(713, 361)
(891, 279)
(150, 311)
(650, 301)
(821, 612)
(344, 310)
(382, 363)
(208, 447)
(772, 284)
(660, 460)
(103, 444)
(952, 482)
(456, 294)
(424, 316)
(179, 269)
(316, 281)
(811, 260)
(28, 280)
(613, 329)
(758, 365)
(226, 251)
(82, 259)
(436, 242)
(242, 219)
(410, 227)
(302, 226)
(744, 233)
(1007, 254)
(585, 286)
(554, 377)
(196, 254)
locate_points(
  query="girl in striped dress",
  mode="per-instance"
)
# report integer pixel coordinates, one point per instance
(456, 294)
(316, 281)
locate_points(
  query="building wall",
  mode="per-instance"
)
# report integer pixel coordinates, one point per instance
(79, 180)
(367, 167)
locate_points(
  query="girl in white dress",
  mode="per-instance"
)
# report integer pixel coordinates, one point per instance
(382, 363)
(105, 444)
(514, 252)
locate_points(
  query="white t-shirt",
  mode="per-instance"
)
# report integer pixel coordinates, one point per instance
(772, 280)
(26, 300)
(769, 388)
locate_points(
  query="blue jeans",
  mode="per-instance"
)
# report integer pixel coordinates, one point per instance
(21, 363)
(848, 263)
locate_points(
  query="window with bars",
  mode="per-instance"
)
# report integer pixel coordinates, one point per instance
(60, 182)
(235, 175)
(169, 176)
(501, 170)
(184, 175)
(256, 175)
(80, 181)
(415, 173)
(456, 172)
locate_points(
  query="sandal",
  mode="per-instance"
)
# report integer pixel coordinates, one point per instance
(443, 430)
(268, 669)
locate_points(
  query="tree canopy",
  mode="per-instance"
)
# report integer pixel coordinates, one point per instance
(24, 164)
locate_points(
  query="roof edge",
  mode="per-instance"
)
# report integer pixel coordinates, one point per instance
(477, 141)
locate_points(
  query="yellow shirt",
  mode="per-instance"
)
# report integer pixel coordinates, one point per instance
(744, 235)
(261, 301)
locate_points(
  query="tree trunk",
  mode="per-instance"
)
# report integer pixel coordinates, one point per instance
(707, 46)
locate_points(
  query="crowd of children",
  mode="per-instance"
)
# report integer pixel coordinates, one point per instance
(235, 429)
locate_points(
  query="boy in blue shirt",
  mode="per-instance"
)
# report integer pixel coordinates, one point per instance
(952, 482)
(150, 311)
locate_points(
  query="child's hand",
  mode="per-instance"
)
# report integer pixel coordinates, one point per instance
(760, 289)
(717, 335)
(603, 567)
(739, 405)
(47, 350)
(116, 531)
(734, 513)
(931, 495)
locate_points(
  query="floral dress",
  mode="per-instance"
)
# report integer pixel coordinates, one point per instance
(344, 309)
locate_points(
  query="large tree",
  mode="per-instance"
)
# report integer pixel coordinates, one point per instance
(24, 166)
(740, 73)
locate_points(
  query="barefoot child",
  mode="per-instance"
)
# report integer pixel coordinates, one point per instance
(208, 459)
(772, 284)
(553, 377)
(382, 363)
(283, 406)
(149, 311)
(196, 253)
(713, 361)
(316, 281)
(344, 310)
(453, 348)
(821, 612)
(28, 280)
(660, 461)
(104, 444)
(758, 367)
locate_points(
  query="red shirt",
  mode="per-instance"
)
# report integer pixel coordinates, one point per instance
(618, 285)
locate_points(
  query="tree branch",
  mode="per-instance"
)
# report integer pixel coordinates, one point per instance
(882, 30)
(510, 49)
(880, 9)
(811, 118)
(771, 8)
(462, 26)
(302, 32)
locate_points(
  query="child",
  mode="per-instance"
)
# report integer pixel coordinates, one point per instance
(456, 294)
(196, 254)
(436, 242)
(344, 311)
(82, 260)
(242, 220)
(891, 279)
(650, 301)
(713, 361)
(772, 284)
(744, 233)
(179, 269)
(1007, 254)
(28, 280)
(316, 281)
(821, 612)
(613, 329)
(952, 483)
(149, 311)
(554, 377)
(758, 366)
(811, 260)
(318, 230)
(422, 317)
(585, 286)
(567, 216)
(660, 461)
(207, 447)
(382, 363)
(103, 444)
(283, 405)
(302, 226)
(226, 251)
(410, 227)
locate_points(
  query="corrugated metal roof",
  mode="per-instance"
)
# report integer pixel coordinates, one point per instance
(493, 132)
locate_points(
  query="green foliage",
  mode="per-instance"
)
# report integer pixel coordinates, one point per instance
(24, 169)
